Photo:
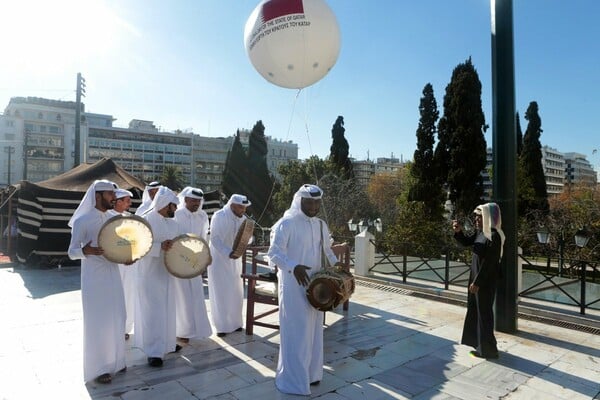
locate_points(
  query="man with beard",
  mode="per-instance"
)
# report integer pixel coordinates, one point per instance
(101, 289)
(299, 244)
(192, 318)
(155, 316)
(487, 242)
(225, 285)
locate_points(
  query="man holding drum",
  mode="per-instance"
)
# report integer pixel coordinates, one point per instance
(155, 316)
(299, 244)
(225, 285)
(101, 289)
(191, 318)
(122, 204)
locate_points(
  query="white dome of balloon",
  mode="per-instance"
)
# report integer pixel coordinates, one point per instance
(292, 43)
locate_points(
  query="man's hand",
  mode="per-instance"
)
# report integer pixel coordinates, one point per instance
(301, 275)
(166, 245)
(233, 257)
(89, 250)
(473, 288)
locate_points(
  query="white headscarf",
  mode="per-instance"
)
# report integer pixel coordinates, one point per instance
(163, 197)
(238, 199)
(120, 193)
(146, 200)
(192, 193)
(491, 218)
(89, 199)
(306, 191)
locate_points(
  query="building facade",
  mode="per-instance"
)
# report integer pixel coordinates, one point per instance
(365, 169)
(38, 136)
(38, 140)
(578, 170)
(553, 163)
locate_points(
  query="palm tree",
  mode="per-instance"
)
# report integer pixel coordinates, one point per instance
(172, 177)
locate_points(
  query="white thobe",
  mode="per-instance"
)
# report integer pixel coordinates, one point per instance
(225, 285)
(155, 311)
(191, 315)
(129, 280)
(102, 300)
(297, 240)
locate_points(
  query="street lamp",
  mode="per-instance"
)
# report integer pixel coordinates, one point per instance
(582, 237)
(351, 225)
(364, 224)
(543, 236)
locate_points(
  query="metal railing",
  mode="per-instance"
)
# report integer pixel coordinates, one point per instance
(576, 283)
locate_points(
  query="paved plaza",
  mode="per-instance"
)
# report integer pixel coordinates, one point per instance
(389, 345)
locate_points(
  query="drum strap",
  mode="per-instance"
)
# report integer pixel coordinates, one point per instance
(325, 264)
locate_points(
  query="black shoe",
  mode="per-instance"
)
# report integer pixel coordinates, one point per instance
(477, 354)
(221, 334)
(239, 329)
(177, 348)
(155, 361)
(315, 383)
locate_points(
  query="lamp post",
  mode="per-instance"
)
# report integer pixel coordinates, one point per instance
(582, 237)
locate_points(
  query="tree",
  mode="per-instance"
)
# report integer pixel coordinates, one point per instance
(519, 135)
(259, 181)
(172, 177)
(339, 149)
(461, 151)
(426, 183)
(530, 163)
(235, 172)
(295, 174)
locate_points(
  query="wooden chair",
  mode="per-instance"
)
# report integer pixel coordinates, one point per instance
(262, 288)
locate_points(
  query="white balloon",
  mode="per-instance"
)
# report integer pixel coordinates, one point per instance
(292, 43)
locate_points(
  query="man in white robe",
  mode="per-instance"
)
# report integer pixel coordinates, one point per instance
(128, 275)
(147, 197)
(299, 242)
(101, 289)
(225, 285)
(191, 316)
(155, 311)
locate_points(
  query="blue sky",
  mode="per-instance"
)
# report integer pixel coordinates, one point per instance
(183, 65)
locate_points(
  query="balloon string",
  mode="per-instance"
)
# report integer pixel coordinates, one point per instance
(286, 138)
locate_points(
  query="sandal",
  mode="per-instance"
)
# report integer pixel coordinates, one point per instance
(104, 379)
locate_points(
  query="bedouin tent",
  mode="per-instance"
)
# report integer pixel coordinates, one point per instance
(44, 209)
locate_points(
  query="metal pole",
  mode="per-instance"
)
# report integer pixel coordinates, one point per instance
(504, 153)
(9, 150)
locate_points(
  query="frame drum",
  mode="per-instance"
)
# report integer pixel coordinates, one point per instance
(243, 237)
(329, 288)
(188, 257)
(125, 238)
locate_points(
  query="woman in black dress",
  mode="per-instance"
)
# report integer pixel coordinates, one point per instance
(487, 242)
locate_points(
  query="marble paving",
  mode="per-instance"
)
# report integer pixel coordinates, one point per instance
(386, 346)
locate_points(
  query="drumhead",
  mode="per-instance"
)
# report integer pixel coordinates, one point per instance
(188, 257)
(125, 238)
(242, 237)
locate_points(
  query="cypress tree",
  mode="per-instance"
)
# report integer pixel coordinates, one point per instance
(461, 149)
(426, 187)
(235, 172)
(519, 135)
(339, 149)
(531, 164)
(259, 183)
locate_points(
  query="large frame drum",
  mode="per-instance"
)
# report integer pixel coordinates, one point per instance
(188, 257)
(242, 238)
(125, 238)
